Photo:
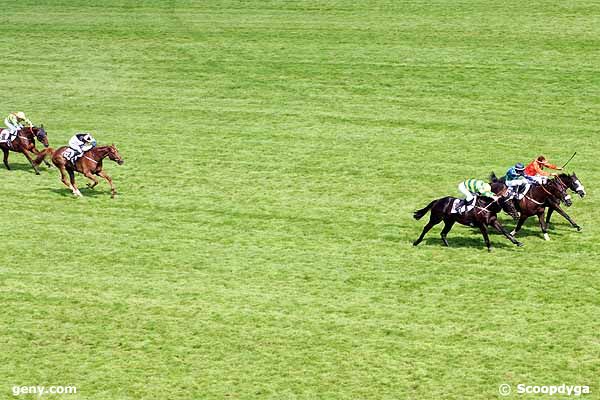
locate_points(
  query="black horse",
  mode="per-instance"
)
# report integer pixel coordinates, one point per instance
(537, 199)
(481, 216)
(573, 183)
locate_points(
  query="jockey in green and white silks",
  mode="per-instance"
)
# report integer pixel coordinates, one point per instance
(471, 188)
(81, 142)
(16, 121)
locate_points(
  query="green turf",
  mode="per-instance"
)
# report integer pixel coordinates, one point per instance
(260, 244)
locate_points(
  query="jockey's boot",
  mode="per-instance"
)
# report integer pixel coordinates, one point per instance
(465, 206)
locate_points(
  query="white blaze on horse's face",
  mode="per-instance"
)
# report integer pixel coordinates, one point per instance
(579, 188)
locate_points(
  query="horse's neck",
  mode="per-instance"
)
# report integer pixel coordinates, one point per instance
(100, 152)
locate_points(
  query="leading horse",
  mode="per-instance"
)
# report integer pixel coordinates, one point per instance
(25, 143)
(537, 199)
(481, 216)
(89, 164)
(573, 183)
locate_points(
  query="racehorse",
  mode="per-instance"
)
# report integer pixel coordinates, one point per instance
(482, 215)
(89, 164)
(535, 201)
(25, 143)
(573, 183)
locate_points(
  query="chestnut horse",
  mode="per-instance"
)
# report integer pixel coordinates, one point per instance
(89, 164)
(25, 143)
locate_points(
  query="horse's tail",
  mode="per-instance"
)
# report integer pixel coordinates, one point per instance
(420, 213)
(42, 155)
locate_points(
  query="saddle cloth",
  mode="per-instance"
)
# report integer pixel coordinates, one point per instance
(6, 137)
(70, 154)
(458, 203)
(518, 195)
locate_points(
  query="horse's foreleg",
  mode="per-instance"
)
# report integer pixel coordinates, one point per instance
(448, 224)
(91, 177)
(74, 188)
(5, 151)
(486, 237)
(522, 220)
(550, 211)
(498, 226)
(543, 225)
(110, 182)
(564, 214)
(28, 156)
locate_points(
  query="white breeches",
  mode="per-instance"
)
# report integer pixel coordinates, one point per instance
(463, 189)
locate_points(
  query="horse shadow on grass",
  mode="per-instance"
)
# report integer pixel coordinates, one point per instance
(23, 167)
(86, 192)
(473, 240)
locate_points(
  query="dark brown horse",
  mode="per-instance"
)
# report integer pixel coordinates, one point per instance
(535, 201)
(25, 143)
(573, 183)
(89, 164)
(484, 214)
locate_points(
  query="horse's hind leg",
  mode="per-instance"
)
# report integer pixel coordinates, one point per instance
(110, 182)
(76, 191)
(433, 221)
(448, 224)
(5, 150)
(543, 225)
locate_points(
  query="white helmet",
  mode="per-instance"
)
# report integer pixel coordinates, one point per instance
(21, 115)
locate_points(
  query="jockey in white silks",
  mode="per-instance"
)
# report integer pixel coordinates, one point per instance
(81, 142)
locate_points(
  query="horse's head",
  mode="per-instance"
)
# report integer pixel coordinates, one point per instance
(40, 134)
(505, 200)
(508, 206)
(558, 189)
(114, 155)
(574, 184)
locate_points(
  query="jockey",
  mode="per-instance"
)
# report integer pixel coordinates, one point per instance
(516, 179)
(82, 142)
(16, 121)
(535, 169)
(471, 188)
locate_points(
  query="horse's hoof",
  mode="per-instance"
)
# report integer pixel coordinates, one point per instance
(490, 249)
(546, 236)
(519, 244)
(415, 243)
(579, 228)
(37, 172)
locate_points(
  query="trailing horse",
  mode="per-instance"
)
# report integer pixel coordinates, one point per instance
(89, 164)
(484, 214)
(25, 143)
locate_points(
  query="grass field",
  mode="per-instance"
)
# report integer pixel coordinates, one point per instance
(260, 244)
